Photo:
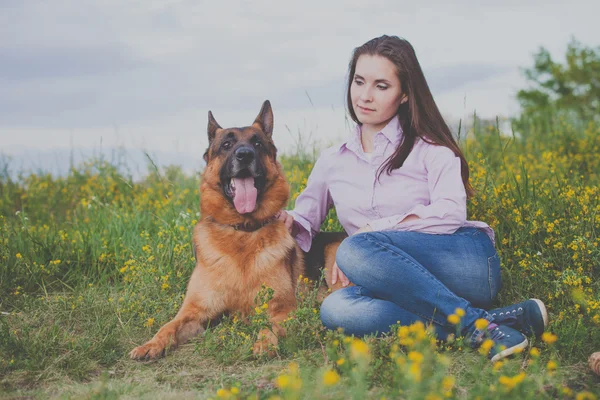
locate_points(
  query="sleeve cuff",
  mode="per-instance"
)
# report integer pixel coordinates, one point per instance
(304, 233)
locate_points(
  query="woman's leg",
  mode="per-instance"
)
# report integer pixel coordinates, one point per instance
(357, 311)
(380, 263)
(466, 262)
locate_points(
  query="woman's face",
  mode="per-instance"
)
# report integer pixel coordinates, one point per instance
(375, 91)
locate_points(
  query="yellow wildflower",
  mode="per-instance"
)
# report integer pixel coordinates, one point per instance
(448, 383)
(511, 383)
(498, 365)
(283, 381)
(567, 391)
(415, 370)
(481, 323)
(359, 349)
(330, 378)
(417, 327)
(585, 395)
(415, 356)
(486, 346)
(534, 352)
(549, 337)
(403, 332)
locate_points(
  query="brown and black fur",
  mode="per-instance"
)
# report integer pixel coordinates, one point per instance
(237, 253)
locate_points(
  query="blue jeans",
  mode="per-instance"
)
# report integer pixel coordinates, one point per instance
(412, 276)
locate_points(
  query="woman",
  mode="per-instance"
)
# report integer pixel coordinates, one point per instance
(399, 185)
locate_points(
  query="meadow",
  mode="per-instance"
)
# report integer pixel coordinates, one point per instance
(94, 262)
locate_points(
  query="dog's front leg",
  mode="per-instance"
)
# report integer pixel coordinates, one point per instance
(189, 321)
(268, 338)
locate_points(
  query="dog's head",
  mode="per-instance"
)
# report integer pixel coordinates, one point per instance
(242, 172)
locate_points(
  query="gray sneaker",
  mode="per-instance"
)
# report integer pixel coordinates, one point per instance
(507, 341)
(528, 317)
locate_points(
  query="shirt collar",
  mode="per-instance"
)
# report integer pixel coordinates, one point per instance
(392, 131)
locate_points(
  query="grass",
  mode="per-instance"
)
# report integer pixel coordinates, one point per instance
(92, 263)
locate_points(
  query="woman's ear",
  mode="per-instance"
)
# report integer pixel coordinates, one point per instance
(404, 99)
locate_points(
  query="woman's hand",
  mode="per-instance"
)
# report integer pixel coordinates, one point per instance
(337, 272)
(287, 219)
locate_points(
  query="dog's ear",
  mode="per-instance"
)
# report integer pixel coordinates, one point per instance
(264, 121)
(213, 125)
(205, 156)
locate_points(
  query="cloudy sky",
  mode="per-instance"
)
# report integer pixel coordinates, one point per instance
(142, 74)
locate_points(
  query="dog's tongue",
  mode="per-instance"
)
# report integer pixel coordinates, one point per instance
(244, 198)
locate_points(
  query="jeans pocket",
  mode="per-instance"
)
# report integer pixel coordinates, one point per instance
(495, 278)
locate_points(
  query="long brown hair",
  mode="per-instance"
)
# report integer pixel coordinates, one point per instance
(419, 116)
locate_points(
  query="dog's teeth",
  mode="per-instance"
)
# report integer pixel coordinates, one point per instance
(233, 183)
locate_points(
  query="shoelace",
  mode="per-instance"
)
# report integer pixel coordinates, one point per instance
(495, 333)
(508, 314)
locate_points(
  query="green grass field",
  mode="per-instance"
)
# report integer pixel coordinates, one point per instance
(93, 263)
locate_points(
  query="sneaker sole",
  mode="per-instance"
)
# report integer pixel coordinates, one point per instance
(543, 311)
(515, 349)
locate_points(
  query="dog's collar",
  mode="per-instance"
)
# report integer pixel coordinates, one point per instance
(252, 227)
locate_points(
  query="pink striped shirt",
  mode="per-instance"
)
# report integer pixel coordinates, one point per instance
(428, 185)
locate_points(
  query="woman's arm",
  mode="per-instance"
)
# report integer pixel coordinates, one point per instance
(447, 210)
(313, 204)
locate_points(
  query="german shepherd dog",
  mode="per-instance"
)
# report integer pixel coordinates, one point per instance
(239, 244)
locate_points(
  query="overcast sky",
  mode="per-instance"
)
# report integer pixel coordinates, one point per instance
(143, 73)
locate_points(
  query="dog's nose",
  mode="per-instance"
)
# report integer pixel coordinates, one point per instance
(244, 154)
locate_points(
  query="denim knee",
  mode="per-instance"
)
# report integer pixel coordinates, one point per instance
(335, 308)
(351, 253)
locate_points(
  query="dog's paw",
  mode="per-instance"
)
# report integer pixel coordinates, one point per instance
(148, 351)
(266, 345)
(264, 348)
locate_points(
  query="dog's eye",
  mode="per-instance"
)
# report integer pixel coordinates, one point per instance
(226, 145)
(257, 144)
